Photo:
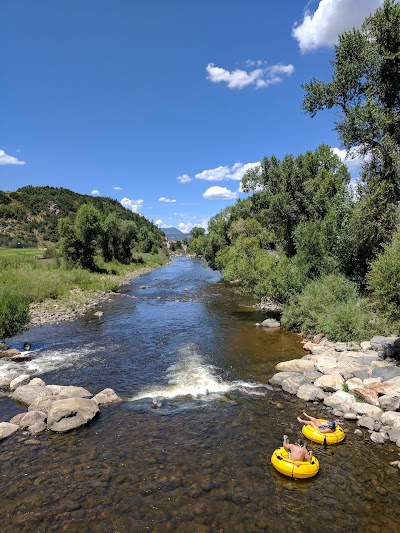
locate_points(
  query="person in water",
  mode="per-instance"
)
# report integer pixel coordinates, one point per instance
(298, 451)
(329, 427)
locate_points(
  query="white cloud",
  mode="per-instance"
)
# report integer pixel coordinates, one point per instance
(161, 224)
(6, 159)
(235, 172)
(238, 79)
(167, 200)
(118, 188)
(132, 205)
(353, 160)
(257, 63)
(95, 192)
(219, 193)
(331, 18)
(187, 226)
(184, 179)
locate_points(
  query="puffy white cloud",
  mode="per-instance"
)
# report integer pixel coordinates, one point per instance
(167, 200)
(6, 159)
(95, 192)
(219, 193)
(118, 188)
(187, 226)
(331, 18)
(161, 224)
(238, 79)
(353, 161)
(184, 179)
(132, 205)
(235, 172)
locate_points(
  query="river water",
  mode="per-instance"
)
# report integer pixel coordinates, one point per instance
(189, 449)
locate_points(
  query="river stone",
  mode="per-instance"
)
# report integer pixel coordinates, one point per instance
(391, 418)
(5, 383)
(330, 382)
(9, 353)
(389, 402)
(70, 391)
(37, 381)
(361, 374)
(367, 422)
(106, 396)
(71, 413)
(310, 393)
(350, 416)
(365, 345)
(386, 387)
(318, 338)
(20, 380)
(271, 323)
(279, 378)
(394, 434)
(385, 372)
(295, 365)
(340, 400)
(358, 432)
(366, 409)
(7, 429)
(44, 403)
(372, 381)
(354, 383)
(312, 375)
(377, 438)
(293, 383)
(369, 396)
(17, 418)
(26, 394)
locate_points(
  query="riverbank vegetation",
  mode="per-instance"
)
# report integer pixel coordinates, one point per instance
(324, 247)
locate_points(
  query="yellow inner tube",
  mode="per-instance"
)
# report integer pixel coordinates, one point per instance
(327, 438)
(295, 469)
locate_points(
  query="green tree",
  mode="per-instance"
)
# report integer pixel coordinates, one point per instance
(89, 229)
(196, 232)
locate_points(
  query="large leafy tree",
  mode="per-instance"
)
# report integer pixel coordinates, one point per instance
(365, 86)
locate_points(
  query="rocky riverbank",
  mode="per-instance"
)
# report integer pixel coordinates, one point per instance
(359, 383)
(51, 407)
(77, 304)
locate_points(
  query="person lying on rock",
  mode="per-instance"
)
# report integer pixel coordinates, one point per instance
(298, 451)
(329, 427)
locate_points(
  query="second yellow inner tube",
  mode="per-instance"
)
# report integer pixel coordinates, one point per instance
(315, 435)
(296, 469)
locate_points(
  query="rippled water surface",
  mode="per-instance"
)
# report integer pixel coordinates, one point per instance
(189, 449)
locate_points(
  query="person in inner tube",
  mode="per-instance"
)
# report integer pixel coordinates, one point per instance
(298, 451)
(329, 427)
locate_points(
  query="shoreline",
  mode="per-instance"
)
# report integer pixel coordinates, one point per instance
(77, 303)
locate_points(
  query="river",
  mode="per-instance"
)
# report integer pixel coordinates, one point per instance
(189, 449)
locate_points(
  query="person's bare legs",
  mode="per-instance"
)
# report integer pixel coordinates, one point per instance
(312, 422)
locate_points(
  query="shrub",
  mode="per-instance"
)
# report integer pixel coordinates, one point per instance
(330, 305)
(14, 313)
(383, 281)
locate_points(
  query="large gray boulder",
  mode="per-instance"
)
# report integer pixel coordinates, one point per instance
(271, 323)
(106, 396)
(43, 403)
(70, 391)
(293, 383)
(296, 365)
(361, 408)
(386, 372)
(340, 400)
(310, 393)
(71, 413)
(20, 380)
(389, 402)
(390, 346)
(26, 394)
(391, 418)
(330, 382)
(7, 429)
(279, 378)
(33, 421)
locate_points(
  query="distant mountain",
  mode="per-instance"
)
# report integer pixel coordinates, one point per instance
(29, 216)
(175, 234)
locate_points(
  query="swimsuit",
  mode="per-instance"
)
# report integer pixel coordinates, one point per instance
(321, 428)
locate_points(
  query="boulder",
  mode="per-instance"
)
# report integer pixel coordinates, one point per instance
(354, 383)
(37, 381)
(296, 365)
(106, 396)
(394, 434)
(350, 416)
(366, 409)
(340, 400)
(312, 375)
(309, 345)
(367, 395)
(389, 403)
(9, 353)
(385, 372)
(390, 346)
(330, 383)
(372, 381)
(26, 394)
(44, 403)
(318, 338)
(385, 387)
(7, 429)
(366, 345)
(368, 422)
(361, 374)
(378, 438)
(70, 391)
(310, 393)
(72, 413)
(20, 380)
(279, 378)
(31, 418)
(271, 323)
(293, 383)
(391, 418)
(5, 383)
(325, 364)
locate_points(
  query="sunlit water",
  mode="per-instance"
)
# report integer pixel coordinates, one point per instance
(189, 448)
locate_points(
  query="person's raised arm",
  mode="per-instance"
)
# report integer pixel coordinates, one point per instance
(286, 443)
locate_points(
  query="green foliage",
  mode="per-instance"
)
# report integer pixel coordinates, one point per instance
(330, 304)
(384, 281)
(14, 312)
(196, 232)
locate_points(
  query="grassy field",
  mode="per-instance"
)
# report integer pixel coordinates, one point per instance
(21, 252)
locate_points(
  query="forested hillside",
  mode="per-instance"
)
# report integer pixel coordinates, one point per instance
(30, 216)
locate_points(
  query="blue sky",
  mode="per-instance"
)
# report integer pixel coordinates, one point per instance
(161, 104)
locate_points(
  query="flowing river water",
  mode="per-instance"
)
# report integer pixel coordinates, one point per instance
(189, 449)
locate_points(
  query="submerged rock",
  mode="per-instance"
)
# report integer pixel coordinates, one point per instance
(7, 429)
